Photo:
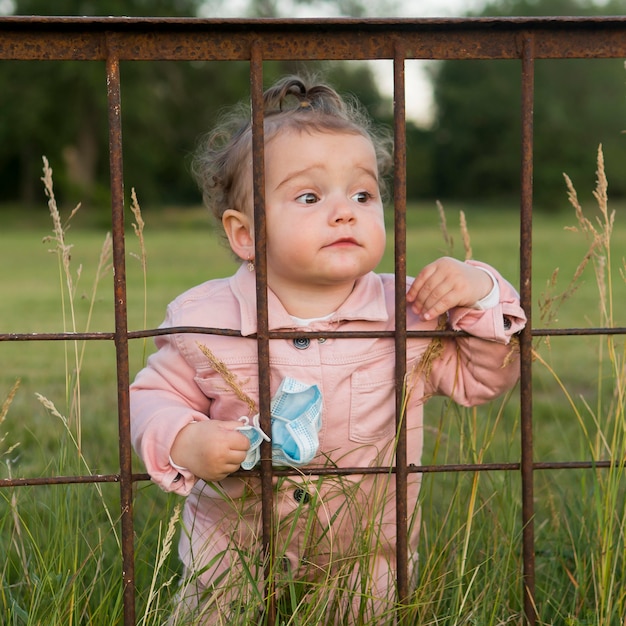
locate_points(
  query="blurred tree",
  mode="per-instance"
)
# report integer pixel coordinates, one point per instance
(328, 8)
(579, 103)
(59, 109)
(131, 8)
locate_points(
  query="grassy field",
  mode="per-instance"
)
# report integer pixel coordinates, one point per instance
(59, 545)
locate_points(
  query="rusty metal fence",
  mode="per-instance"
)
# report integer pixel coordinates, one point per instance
(114, 40)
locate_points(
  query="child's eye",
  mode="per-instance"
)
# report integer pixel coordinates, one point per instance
(307, 198)
(362, 197)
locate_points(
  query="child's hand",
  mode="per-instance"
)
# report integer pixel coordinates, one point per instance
(210, 449)
(447, 283)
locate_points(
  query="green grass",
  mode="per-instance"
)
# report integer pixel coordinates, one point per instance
(60, 544)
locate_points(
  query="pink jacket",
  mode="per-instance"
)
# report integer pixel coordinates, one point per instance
(355, 376)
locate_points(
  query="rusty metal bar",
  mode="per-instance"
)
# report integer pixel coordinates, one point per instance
(526, 199)
(56, 336)
(121, 333)
(399, 197)
(332, 471)
(59, 480)
(263, 350)
(44, 38)
(154, 332)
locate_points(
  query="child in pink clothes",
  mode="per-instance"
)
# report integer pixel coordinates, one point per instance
(325, 236)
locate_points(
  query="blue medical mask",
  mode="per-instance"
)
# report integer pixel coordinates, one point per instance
(296, 411)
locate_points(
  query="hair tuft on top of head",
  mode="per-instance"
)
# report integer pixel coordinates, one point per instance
(292, 94)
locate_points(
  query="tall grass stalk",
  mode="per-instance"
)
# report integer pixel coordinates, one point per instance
(68, 291)
(60, 560)
(599, 542)
(157, 588)
(4, 410)
(138, 228)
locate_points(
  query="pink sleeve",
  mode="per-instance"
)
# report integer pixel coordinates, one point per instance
(473, 370)
(164, 398)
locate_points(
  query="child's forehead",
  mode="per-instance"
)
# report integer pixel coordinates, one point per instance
(292, 157)
(290, 136)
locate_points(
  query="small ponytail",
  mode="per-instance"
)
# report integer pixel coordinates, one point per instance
(291, 93)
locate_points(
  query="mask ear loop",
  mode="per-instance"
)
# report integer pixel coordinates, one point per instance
(254, 433)
(256, 425)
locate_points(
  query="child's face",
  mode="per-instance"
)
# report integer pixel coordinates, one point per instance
(324, 212)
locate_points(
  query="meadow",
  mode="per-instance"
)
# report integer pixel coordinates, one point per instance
(59, 545)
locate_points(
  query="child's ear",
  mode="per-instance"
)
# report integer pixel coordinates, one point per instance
(238, 228)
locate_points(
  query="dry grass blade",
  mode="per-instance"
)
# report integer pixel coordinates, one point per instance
(598, 236)
(549, 303)
(447, 237)
(600, 193)
(229, 378)
(138, 227)
(4, 411)
(163, 554)
(8, 401)
(467, 244)
(424, 366)
(59, 230)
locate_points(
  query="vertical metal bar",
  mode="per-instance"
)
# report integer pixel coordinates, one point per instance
(121, 332)
(258, 176)
(399, 197)
(526, 199)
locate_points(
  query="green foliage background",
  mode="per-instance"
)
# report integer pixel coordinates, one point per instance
(579, 103)
(471, 151)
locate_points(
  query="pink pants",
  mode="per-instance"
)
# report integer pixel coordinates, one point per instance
(334, 544)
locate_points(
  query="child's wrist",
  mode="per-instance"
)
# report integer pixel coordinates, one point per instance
(179, 443)
(178, 468)
(493, 297)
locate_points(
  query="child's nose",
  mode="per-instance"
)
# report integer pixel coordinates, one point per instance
(342, 211)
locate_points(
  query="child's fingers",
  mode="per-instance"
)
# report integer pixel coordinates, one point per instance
(235, 439)
(438, 301)
(420, 287)
(444, 284)
(431, 292)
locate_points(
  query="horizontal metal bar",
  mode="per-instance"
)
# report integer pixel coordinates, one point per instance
(445, 468)
(59, 480)
(343, 471)
(431, 469)
(75, 38)
(292, 334)
(57, 336)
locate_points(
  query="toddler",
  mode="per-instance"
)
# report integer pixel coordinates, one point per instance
(194, 414)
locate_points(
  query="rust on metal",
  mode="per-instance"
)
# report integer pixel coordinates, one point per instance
(399, 197)
(263, 340)
(46, 38)
(203, 330)
(113, 88)
(60, 480)
(526, 407)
